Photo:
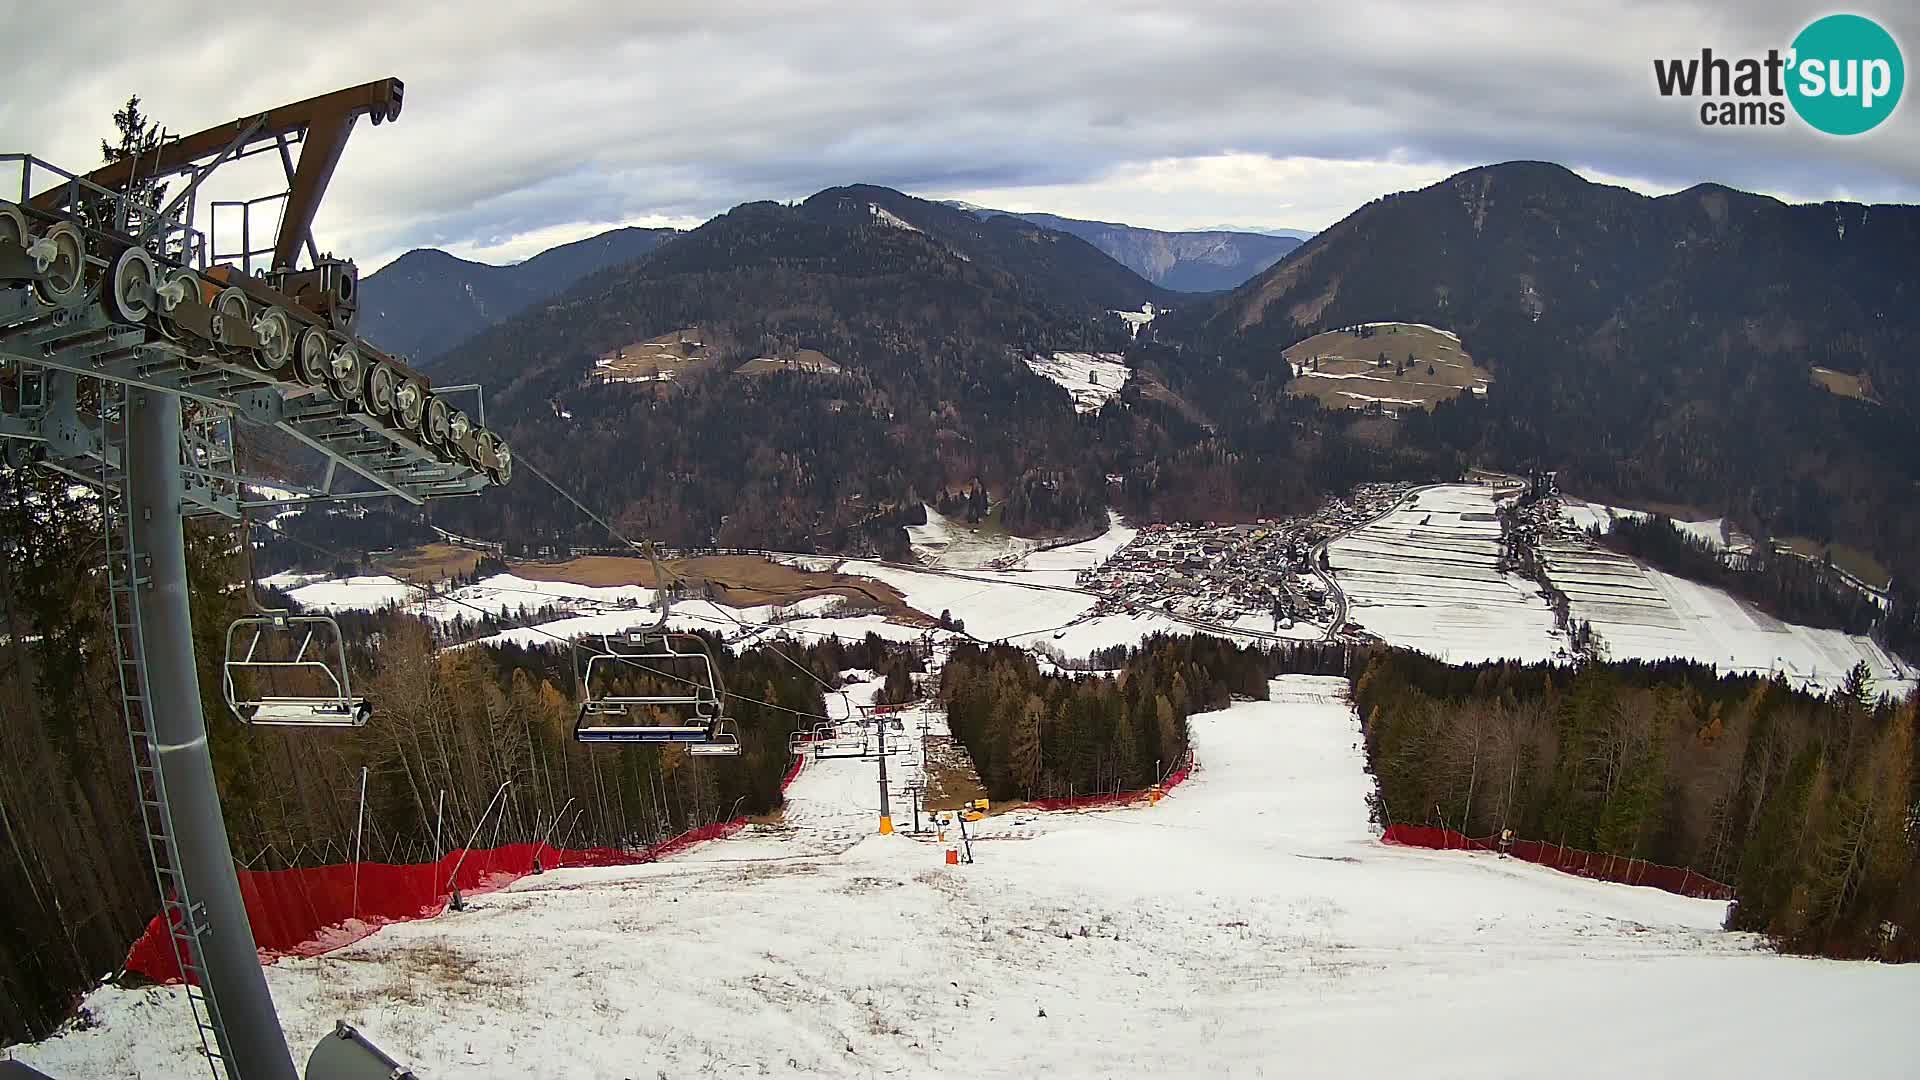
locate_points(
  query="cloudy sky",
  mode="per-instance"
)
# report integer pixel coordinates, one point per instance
(522, 130)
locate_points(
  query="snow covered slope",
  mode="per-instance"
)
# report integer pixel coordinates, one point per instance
(1093, 379)
(1424, 576)
(1644, 614)
(1250, 925)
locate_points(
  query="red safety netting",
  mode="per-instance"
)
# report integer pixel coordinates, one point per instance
(312, 910)
(1091, 802)
(1587, 864)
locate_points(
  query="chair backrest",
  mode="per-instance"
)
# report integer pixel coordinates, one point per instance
(651, 688)
(303, 659)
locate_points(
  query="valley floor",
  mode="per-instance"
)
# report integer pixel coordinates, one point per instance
(1249, 925)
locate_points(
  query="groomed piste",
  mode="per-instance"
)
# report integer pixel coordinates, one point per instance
(1252, 918)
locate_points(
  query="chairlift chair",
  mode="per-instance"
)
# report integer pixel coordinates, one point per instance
(319, 661)
(695, 692)
(723, 742)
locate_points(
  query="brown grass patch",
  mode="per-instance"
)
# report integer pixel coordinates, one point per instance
(434, 562)
(736, 580)
(1839, 382)
(1851, 559)
(952, 781)
(655, 360)
(1341, 368)
(810, 361)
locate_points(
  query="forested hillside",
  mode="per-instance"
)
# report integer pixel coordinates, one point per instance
(1806, 805)
(462, 721)
(427, 301)
(1657, 349)
(933, 394)
(1034, 734)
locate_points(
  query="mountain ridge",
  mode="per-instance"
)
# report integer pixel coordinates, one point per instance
(1183, 260)
(428, 300)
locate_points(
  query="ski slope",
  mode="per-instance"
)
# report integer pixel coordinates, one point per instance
(1249, 925)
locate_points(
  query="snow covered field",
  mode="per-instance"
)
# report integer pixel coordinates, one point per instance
(1714, 531)
(953, 544)
(1092, 378)
(604, 609)
(1424, 576)
(1250, 925)
(1642, 613)
(992, 606)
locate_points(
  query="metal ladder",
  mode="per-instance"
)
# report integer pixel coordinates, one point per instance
(185, 919)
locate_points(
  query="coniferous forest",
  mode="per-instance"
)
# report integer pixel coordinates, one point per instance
(1805, 805)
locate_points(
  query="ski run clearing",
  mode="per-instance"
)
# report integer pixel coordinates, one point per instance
(1250, 925)
(1093, 379)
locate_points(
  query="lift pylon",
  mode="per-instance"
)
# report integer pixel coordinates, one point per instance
(128, 344)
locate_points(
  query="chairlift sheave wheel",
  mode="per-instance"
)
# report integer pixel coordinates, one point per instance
(410, 406)
(130, 292)
(277, 341)
(483, 450)
(382, 383)
(230, 306)
(313, 360)
(347, 373)
(460, 437)
(60, 254)
(502, 470)
(437, 422)
(179, 286)
(13, 225)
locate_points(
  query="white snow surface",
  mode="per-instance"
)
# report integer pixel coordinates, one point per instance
(1093, 379)
(992, 607)
(1249, 925)
(1137, 319)
(1420, 326)
(1642, 613)
(1711, 531)
(353, 593)
(953, 544)
(1086, 554)
(888, 217)
(1424, 576)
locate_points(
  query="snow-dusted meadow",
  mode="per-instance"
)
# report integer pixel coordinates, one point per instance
(1250, 925)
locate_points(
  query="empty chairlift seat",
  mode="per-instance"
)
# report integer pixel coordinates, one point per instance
(287, 670)
(655, 688)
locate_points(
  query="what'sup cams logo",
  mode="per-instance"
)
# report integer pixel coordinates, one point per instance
(1842, 75)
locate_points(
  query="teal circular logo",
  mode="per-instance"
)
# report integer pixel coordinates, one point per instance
(1845, 75)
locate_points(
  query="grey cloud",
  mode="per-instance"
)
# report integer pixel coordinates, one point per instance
(520, 118)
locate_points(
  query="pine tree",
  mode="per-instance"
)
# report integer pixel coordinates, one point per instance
(1023, 746)
(136, 139)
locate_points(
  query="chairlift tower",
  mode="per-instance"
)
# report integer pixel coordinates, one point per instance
(129, 343)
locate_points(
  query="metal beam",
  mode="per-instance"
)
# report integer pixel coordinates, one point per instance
(380, 98)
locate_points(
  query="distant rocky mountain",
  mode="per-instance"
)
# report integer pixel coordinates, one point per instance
(427, 301)
(1207, 260)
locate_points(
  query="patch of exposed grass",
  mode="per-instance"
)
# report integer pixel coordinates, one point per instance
(1422, 366)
